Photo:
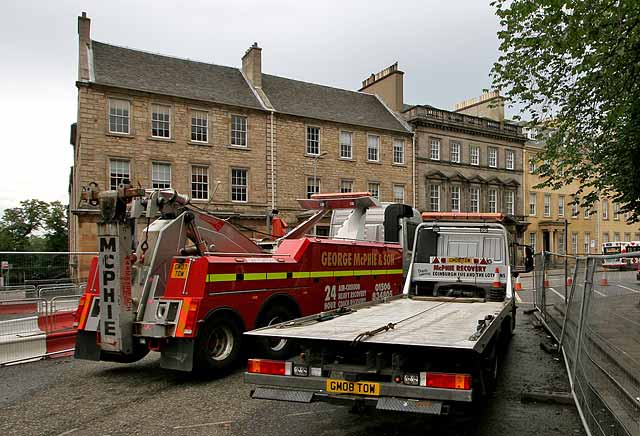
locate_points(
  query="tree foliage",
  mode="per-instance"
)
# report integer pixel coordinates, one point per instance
(36, 225)
(574, 66)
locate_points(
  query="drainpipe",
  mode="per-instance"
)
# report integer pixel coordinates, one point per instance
(413, 164)
(273, 174)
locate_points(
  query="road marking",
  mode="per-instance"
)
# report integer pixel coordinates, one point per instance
(557, 293)
(204, 424)
(599, 293)
(68, 432)
(301, 413)
(630, 289)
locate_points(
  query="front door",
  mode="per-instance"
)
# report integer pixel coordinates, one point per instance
(546, 241)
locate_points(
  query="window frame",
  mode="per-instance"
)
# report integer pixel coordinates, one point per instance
(605, 209)
(495, 201)
(490, 151)
(437, 197)
(129, 117)
(340, 144)
(192, 112)
(533, 196)
(458, 153)
(438, 150)
(155, 163)
(315, 183)
(206, 168)
(402, 150)
(546, 205)
(561, 203)
(232, 130)
(308, 140)
(378, 185)
(510, 199)
(395, 198)
(472, 190)
(232, 185)
(170, 129)
(474, 158)
(109, 172)
(377, 148)
(342, 182)
(458, 190)
(510, 156)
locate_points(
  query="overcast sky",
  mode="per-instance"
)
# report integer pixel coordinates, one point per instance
(445, 47)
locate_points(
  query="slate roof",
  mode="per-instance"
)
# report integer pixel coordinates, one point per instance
(326, 103)
(143, 71)
(134, 69)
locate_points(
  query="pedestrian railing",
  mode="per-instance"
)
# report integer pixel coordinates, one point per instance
(594, 315)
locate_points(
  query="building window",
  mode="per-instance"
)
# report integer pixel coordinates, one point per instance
(510, 159)
(119, 116)
(493, 201)
(616, 211)
(532, 166)
(374, 189)
(239, 185)
(474, 194)
(574, 243)
(627, 237)
(637, 238)
(313, 186)
(398, 151)
(160, 175)
(398, 193)
(510, 202)
(561, 205)
(605, 237)
(160, 121)
(313, 140)
(373, 148)
(199, 126)
(322, 231)
(605, 209)
(455, 198)
(561, 247)
(587, 242)
(586, 213)
(346, 186)
(435, 149)
(493, 157)
(532, 204)
(475, 155)
(532, 241)
(199, 182)
(547, 205)
(346, 145)
(118, 171)
(616, 237)
(455, 152)
(434, 198)
(574, 210)
(238, 131)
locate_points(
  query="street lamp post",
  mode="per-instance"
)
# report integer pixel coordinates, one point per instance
(315, 170)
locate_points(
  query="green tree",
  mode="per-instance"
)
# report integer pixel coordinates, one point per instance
(575, 65)
(35, 225)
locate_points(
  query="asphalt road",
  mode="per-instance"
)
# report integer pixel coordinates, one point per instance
(69, 397)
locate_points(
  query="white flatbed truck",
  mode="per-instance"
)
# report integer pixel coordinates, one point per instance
(434, 348)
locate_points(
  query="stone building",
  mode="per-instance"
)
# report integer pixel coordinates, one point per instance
(549, 211)
(239, 142)
(467, 160)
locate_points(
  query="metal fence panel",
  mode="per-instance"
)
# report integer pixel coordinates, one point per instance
(43, 268)
(597, 324)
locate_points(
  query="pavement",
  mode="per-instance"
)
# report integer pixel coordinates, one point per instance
(73, 397)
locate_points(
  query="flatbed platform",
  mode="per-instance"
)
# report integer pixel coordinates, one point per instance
(418, 322)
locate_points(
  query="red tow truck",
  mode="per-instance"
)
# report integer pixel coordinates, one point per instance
(194, 284)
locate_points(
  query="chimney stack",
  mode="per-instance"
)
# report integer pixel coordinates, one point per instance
(488, 105)
(388, 84)
(84, 45)
(252, 65)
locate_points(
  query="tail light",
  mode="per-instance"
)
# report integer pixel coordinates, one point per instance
(266, 366)
(187, 318)
(446, 380)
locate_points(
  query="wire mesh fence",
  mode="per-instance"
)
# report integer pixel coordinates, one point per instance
(593, 312)
(43, 268)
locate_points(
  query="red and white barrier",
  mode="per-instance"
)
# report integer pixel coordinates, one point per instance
(37, 337)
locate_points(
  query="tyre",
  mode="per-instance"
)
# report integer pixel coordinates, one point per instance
(495, 294)
(277, 349)
(490, 370)
(218, 346)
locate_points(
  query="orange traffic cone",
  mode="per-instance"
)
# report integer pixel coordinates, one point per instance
(518, 284)
(603, 279)
(496, 279)
(570, 280)
(545, 280)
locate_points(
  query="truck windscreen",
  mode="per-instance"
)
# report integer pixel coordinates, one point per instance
(427, 245)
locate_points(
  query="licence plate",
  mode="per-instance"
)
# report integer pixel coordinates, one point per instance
(357, 388)
(180, 270)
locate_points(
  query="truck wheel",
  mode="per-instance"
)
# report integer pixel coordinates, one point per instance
(217, 346)
(276, 349)
(490, 370)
